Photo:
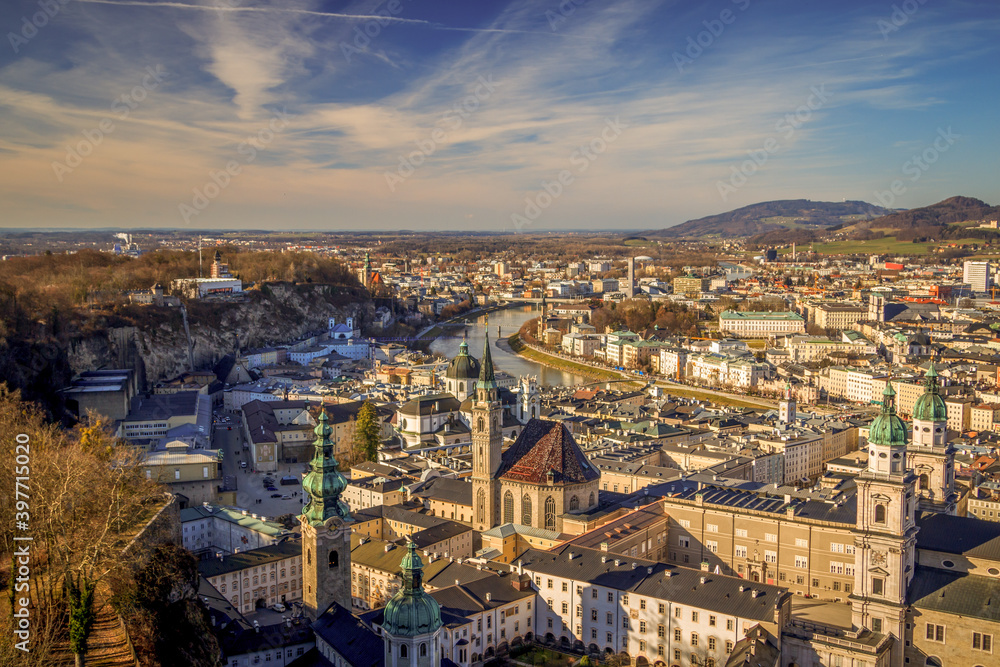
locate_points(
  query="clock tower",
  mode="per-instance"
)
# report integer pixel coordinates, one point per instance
(886, 530)
(326, 530)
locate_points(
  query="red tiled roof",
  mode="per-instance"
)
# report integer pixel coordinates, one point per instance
(545, 446)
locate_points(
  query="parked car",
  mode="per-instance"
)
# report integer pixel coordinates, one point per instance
(285, 497)
(271, 488)
(275, 495)
(243, 464)
(279, 607)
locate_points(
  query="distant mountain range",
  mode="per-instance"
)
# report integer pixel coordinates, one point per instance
(953, 209)
(773, 215)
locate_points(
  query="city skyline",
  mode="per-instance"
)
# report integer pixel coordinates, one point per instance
(502, 116)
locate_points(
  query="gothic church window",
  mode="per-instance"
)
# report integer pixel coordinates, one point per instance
(508, 507)
(550, 513)
(574, 503)
(526, 510)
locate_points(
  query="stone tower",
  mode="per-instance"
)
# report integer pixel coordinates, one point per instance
(528, 401)
(365, 275)
(411, 621)
(487, 440)
(929, 455)
(886, 530)
(787, 406)
(326, 530)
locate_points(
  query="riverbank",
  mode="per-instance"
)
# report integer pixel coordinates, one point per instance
(519, 347)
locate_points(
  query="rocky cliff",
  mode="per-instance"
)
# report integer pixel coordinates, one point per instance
(153, 341)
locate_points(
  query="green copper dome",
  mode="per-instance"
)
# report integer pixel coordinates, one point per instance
(324, 483)
(411, 611)
(463, 366)
(888, 428)
(930, 406)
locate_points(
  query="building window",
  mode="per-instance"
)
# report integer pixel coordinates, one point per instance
(508, 507)
(574, 504)
(550, 513)
(526, 510)
(982, 642)
(880, 513)
(711, 643)
(565, 587)
(481, 505)
(677, 635)
(878, 586)
(935, 633)
(694, 639)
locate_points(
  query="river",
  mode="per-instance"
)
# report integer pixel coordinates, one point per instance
(509, 320)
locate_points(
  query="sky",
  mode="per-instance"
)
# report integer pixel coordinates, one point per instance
(516, 117)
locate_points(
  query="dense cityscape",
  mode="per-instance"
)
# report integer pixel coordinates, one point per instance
(369, 333)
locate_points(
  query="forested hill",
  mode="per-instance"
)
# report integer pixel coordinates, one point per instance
(772, 215)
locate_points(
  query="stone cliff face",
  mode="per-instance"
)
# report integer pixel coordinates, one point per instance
(159, 348)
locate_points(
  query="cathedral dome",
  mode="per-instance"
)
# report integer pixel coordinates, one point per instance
(930, 406)
(888, 428)
(463, 366)
(411, 611)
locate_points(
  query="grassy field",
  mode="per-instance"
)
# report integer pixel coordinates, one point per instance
(884, 246)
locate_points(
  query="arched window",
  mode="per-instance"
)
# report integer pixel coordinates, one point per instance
(481, 506)
(880, 514)
(461, 386)
(402, 650)
(423, 650)
(924, 482)
(550, 513)
(591, 500)
(933, 661)
(508, 507)
(526, 510)
(574, 503)
(481, 425)
(334, 559)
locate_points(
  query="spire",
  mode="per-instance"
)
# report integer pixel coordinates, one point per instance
(931, 380)
(324, 483)
(412, 570)
(487, 379)
(889, 399)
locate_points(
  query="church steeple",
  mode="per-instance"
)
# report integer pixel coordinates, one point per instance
(487, 377)
(324, 483)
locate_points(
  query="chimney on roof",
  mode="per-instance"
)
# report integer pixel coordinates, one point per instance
(704, 566)
(703, 580)
(489, 597)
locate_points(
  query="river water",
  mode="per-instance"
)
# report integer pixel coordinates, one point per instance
(509, 320)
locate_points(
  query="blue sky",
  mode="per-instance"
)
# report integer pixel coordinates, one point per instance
(506, 116)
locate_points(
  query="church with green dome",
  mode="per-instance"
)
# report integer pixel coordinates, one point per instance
(411, 621)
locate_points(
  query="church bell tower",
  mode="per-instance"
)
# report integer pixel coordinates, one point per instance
(326, 530)
(886, 530)
(487, 440)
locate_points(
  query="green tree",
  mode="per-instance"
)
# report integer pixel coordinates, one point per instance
(366, 432)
